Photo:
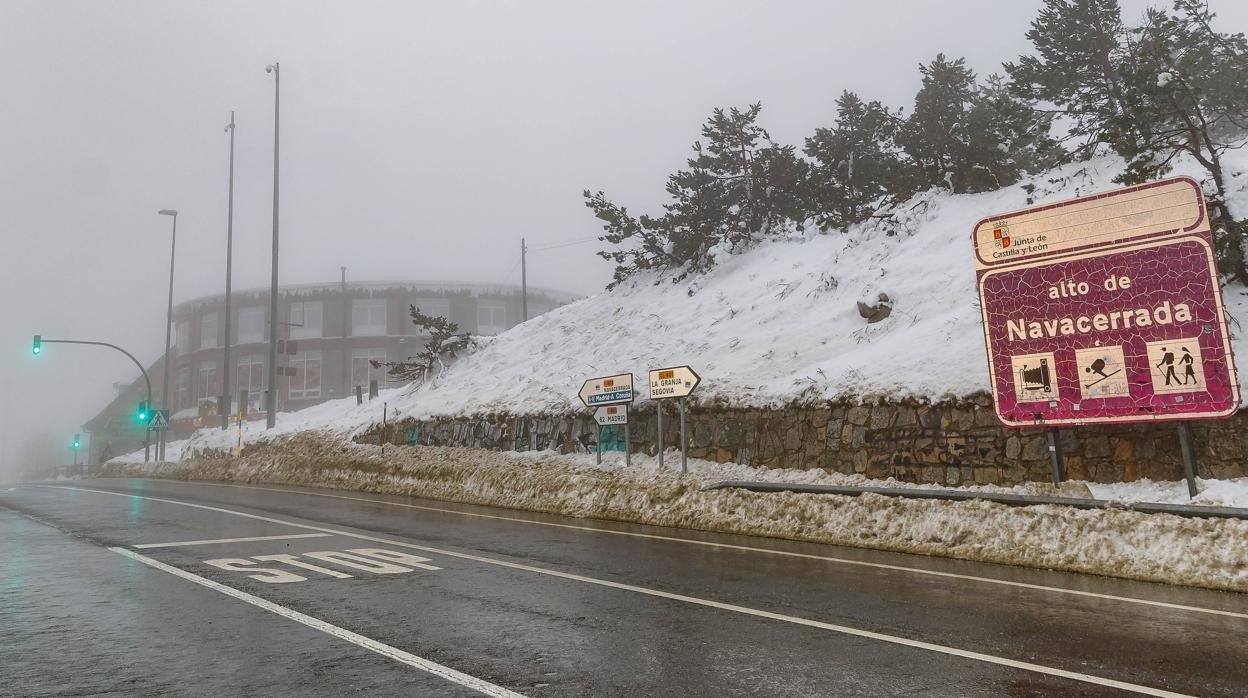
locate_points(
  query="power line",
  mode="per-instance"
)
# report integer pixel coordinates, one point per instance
(566, 243)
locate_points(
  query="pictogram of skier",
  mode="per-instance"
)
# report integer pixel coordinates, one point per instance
(1167, 360)
(1189, 370)
(1098, 367)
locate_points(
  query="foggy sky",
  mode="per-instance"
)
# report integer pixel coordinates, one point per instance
(420, 140)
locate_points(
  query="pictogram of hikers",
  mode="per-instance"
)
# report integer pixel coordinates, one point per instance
(1187, 361)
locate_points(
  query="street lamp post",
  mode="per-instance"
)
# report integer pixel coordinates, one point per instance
(270, 395)
(229, 260)
(164, 389)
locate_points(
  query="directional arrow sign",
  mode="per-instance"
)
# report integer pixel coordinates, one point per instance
(608, 390)
(667, 383)
(613, 414)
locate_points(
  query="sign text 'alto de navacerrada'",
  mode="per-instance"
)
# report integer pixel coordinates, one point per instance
(1105, 308)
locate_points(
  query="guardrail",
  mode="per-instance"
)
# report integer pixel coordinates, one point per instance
(1014, 500)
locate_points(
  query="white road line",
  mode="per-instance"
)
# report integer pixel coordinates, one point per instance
(769, 551)
(370, 644)
(846, 630)
(229, 540)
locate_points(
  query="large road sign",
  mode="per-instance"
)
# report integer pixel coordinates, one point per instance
(1105, 308)
(608, 390)
(611, 414)
(667, 383)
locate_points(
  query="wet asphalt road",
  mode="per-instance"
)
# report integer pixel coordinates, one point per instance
(142, 587)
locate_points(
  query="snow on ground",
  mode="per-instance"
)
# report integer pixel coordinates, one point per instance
(1222, 493)
(1123, 543)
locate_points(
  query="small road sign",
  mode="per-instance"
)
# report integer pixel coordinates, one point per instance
(160, 420)
(611, 414)
(677, 381)
(608, 390)
(1105, 308)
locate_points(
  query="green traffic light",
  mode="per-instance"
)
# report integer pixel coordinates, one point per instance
(38, 345)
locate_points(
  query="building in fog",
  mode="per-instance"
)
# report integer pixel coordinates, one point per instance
(335, 330)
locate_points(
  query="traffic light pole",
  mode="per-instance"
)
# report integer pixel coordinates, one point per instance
(147, 433)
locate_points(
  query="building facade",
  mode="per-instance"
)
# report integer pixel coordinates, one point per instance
(330, 335)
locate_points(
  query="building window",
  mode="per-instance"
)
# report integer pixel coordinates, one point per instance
(491, 317)
(368, 317)
(182, 388)
(362, 371)
(251, 324)
(207, 387)
(208, 331)
(306, 383)
(182, 337)
(251, 379)
(305, 319)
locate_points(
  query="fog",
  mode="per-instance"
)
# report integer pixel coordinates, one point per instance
(419, 141)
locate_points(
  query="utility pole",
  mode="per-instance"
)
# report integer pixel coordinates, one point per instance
(524, 283)
(229, 260)
(270, 395)
(346, 332)
(164, 389)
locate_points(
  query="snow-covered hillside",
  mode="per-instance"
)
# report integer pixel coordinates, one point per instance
(781, 322)
(777, 324)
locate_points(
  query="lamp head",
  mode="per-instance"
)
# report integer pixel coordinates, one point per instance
(167, 212)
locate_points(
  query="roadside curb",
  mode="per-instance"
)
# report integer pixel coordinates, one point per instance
(1014, 500)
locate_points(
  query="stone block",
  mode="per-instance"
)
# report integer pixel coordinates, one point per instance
(1013, 447)
(881, 417)
(1096, 446)
(858, 415)
(1035, 448)
(906, 417)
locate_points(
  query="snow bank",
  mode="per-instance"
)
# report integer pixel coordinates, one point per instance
(1154, 547)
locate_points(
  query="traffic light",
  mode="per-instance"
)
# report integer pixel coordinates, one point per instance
(142, 413)
(77, 442)
(37, 346)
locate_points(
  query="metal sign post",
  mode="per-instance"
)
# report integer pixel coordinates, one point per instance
(384, 407)
(1187, 446)
(675, 383)
(1056, 455)
(628, 446)
(684, 441)
(658, 411)
(598, 449)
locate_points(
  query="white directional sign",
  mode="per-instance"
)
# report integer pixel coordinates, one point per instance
(159, 420)
(608, 390)
(612, 414)
(667, 383)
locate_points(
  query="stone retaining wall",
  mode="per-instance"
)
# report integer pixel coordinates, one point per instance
(949, 443)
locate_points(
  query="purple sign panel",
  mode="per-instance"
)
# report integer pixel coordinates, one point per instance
(1111, 313)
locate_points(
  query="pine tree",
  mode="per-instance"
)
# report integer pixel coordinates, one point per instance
(1006, 138)
(1190, 87)
(445, 343)
(738, 188)
(1077, 67)
(936, 136)
(858, 163)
